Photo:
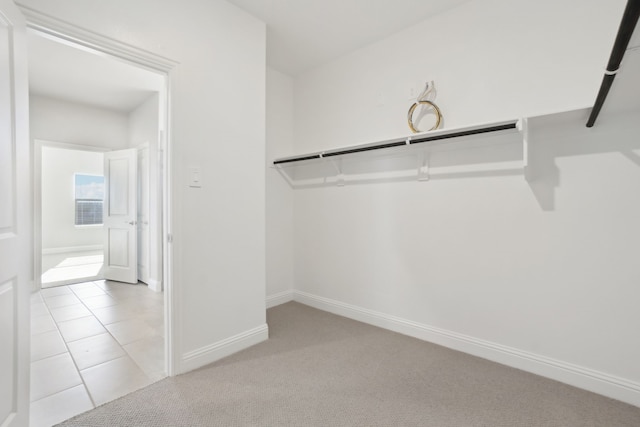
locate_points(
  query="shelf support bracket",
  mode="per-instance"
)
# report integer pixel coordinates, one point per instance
(285, 176)
(339, 175)
(423, 167)
(523, 128)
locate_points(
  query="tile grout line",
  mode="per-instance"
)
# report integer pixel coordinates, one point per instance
(71, 354)
(112, 336)
(66, 343)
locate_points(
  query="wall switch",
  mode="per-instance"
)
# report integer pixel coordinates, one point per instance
(194, 178)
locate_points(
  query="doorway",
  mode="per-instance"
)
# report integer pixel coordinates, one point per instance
(88, 102)
(71, 195)
(85, 105)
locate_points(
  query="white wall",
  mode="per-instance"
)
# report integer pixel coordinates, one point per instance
(58, 207)
(279, 208)
(72, 123)
(61, 121)
(143, 122)
(144, 129)
(537, 275)
(490, 59)
(219, 229)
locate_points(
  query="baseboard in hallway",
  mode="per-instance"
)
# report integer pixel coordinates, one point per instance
(211, 353)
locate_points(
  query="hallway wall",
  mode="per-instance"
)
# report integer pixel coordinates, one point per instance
(61, 121)
(59, 232)
(218, 229)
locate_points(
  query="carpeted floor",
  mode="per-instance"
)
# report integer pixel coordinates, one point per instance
(318, 369)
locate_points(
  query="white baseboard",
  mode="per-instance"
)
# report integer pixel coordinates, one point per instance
(155, 285)
(62, 250)
(577, 376)
(71, 281)
(279, 298)
(216, 351)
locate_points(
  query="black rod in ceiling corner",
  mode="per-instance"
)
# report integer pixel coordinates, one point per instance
(627, 25)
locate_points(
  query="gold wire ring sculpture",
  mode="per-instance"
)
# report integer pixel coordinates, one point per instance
(412, 109)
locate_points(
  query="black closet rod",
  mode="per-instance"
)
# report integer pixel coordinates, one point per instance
(400, 142)
(627, 25)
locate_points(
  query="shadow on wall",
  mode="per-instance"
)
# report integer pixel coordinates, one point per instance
(498, 155)
(558, 139)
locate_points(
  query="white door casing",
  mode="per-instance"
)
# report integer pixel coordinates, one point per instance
(15, 219)
(144, 235)
(51, 26)
(120, 215)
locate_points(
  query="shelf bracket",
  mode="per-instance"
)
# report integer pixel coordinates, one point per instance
(423, 167)
(284, 175)
(339, 175)
(523, 128)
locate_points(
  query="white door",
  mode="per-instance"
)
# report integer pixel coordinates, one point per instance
(16, 251)
(120, 216)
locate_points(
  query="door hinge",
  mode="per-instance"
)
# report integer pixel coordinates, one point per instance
(169, 238)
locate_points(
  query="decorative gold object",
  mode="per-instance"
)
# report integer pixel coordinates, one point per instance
(422, 101)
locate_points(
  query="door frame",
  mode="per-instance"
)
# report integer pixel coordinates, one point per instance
(37, 145)
(65, 32)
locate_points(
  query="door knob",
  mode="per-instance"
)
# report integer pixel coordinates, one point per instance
(131, 223)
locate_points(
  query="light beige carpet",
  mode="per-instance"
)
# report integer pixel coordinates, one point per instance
(318, 369)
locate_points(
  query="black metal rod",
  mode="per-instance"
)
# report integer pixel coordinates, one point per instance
(465, 133)
(367, 148)
(296, 159)
(607, 81)
(398, 143)
(625, 31)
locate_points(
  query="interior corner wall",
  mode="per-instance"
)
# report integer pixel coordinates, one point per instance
(279, 208)
(144, 122)
(542, 275)
(218, 245)
(57, 120)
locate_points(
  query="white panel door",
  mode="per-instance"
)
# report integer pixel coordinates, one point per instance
(120, 216)
(15, 219)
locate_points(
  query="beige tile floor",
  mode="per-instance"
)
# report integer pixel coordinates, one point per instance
(91, 343)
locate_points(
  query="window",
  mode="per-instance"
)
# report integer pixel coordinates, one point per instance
(89, 196)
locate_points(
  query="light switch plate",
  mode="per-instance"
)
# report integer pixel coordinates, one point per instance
(195, 178)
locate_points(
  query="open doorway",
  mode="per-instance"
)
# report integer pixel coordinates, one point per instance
(71, 205)
(94, 340)
(83, 102)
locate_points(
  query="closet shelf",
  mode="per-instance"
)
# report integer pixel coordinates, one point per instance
(412, 156)
(418, 138)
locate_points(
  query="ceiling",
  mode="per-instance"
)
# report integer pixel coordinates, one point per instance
(65, 72)
(303, 34)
